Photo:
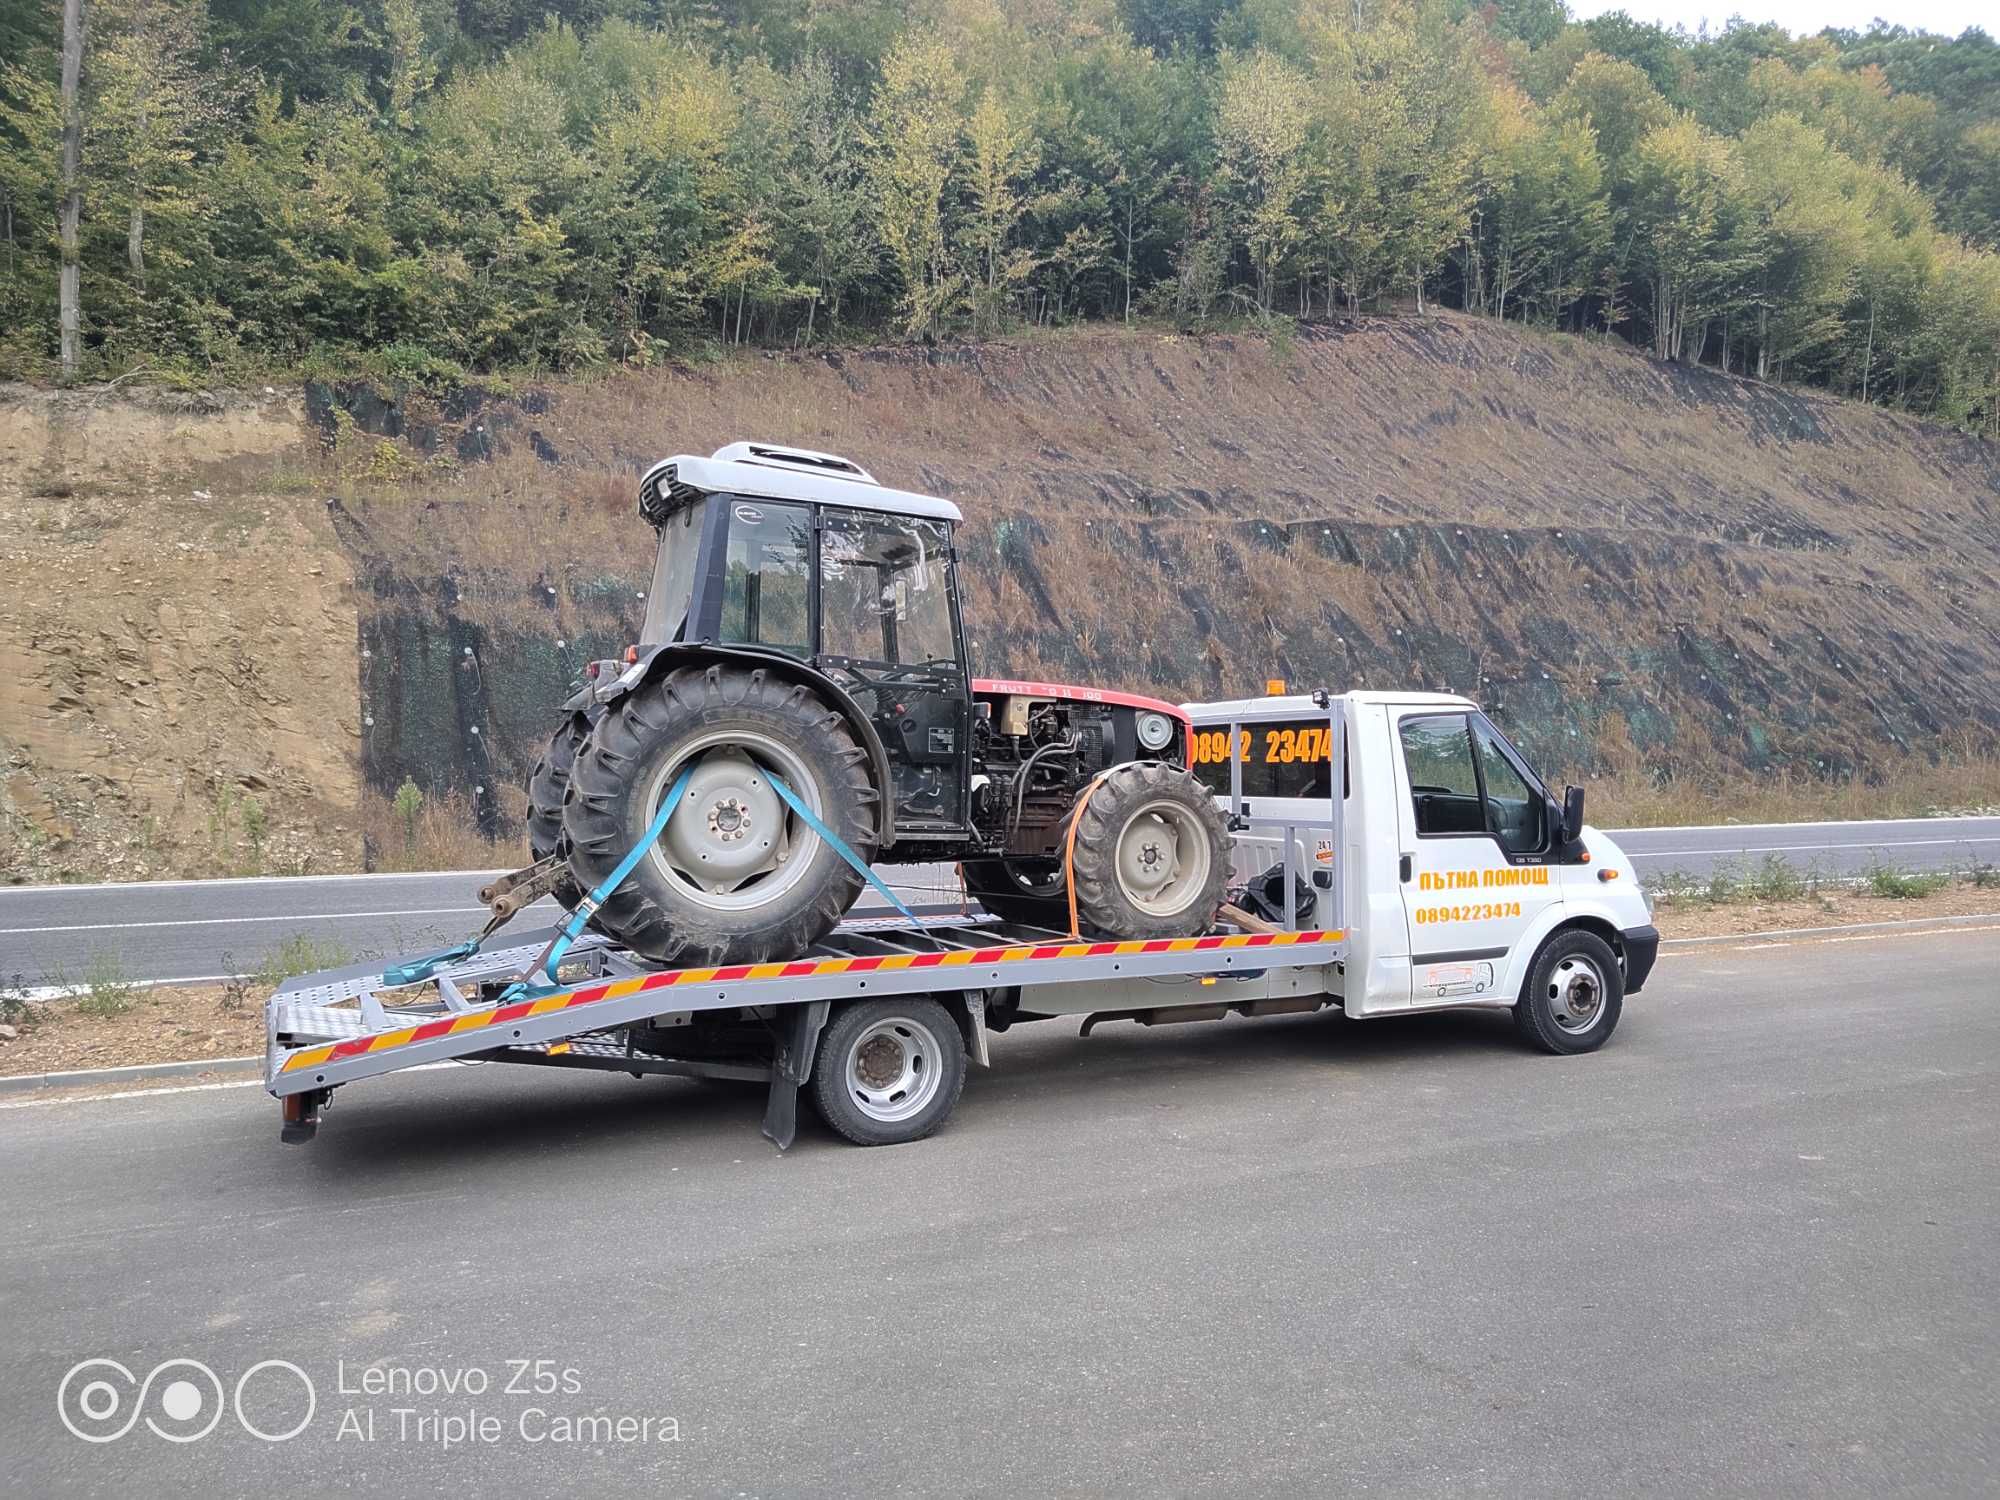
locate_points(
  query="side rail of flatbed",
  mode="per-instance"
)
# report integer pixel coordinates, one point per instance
(335, 1028)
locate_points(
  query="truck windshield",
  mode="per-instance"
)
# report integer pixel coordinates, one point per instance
(672, 587)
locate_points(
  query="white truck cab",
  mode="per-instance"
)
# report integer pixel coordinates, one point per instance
(1462, 878)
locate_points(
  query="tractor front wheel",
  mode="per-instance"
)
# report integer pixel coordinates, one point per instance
(1151, 854)
(737, 875)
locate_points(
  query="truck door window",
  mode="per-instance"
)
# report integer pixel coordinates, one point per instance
(765, 576)
(1444, 780)
(1515, 811)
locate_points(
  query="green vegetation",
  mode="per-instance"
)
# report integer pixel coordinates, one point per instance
(16, 1009)
(107, 990)
(1904, 885)
(298, 954)
(409, 803)
(427, 191)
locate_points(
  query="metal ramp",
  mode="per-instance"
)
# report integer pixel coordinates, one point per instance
(331, 1028)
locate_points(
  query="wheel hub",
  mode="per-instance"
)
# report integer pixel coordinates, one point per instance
(1162, 858)
(732, 843)
(729, 820)
(878, 1062)
(1578, 995)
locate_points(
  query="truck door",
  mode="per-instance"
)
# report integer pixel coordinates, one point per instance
(1475, 840)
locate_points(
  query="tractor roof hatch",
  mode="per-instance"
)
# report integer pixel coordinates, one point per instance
(773, 472)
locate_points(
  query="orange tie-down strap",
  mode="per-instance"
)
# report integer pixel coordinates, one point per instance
(451, 1025)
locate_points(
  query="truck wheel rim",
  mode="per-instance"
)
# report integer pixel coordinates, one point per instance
(1162, 858)
(734, 845)
(1576, 994)
(894, 1069)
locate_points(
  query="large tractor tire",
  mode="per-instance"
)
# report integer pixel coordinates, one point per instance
(1152, 854)
(548, 789)
(737, 877)
(1030, 891)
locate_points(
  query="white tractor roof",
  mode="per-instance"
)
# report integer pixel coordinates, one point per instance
(774, 472)
(1222, 711)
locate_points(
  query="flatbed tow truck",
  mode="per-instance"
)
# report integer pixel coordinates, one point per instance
(1467, 882)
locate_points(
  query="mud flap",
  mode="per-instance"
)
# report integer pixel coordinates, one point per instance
(791, 1067)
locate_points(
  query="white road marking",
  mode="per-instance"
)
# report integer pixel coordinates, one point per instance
(172, 1088)
(178, 1088)
(1868, 937)
(1807, 848)
(1619, 833)
(326, 916)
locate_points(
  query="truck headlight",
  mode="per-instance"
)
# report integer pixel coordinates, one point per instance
(1155, 731)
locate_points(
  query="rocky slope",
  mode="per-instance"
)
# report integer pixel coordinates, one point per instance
(298, 600)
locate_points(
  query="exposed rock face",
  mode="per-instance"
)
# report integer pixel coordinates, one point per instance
(177, 661)
(1628, 562)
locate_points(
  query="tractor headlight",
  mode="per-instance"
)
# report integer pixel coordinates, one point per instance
(1156, 731)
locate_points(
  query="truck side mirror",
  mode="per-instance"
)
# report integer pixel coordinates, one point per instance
(1572, 819)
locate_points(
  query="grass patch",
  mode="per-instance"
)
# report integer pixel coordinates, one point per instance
(1726, 883)
(107, 989)
(300, 954)
(1904, 885)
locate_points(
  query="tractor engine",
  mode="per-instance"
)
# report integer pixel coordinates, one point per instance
(1036, 746)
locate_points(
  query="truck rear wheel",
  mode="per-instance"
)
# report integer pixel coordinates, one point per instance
(1152, 854)
(1573, 994)
(889, 1070)
(548, 788)
(737, 876)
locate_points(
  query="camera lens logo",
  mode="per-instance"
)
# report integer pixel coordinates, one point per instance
(181, 1400)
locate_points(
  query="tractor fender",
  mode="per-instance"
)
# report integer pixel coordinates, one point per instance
(654, 662)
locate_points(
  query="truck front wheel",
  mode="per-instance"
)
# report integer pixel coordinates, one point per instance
(889, 1070)
(1573, 995)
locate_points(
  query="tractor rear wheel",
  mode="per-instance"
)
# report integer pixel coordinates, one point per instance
(548, 787)
(1152, 854)
(737, 876)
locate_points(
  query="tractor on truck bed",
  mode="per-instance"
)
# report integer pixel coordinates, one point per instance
(799, 706)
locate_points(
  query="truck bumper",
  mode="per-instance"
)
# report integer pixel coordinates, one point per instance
(1642, 946)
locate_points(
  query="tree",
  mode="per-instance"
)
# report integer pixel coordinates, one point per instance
(1545, 216)
(1263, 125)
(1000, 156)
(1807, 234)
(914, 130)
(824, 213)
(1683, 196)
(72, 185)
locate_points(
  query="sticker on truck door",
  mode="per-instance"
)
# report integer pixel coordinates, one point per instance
(1446, 980)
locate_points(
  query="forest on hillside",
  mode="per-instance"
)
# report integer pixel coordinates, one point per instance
(436, 188)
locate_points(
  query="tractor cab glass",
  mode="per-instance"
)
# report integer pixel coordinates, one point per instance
(888, 634)
(766, 577)
(671, 592)
(885, 591)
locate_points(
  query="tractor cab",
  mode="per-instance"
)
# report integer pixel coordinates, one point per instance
(803, 555)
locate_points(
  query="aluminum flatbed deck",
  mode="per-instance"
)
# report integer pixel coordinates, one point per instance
(337, 1027)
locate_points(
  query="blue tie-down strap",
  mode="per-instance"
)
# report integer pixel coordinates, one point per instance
(587, 908)
(421, 969)
(792, 801)
(547, 984)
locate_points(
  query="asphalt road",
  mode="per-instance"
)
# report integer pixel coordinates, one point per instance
(1746, 1249)
(198, 929)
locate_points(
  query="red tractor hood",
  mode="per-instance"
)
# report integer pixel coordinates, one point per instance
(1007, 687)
